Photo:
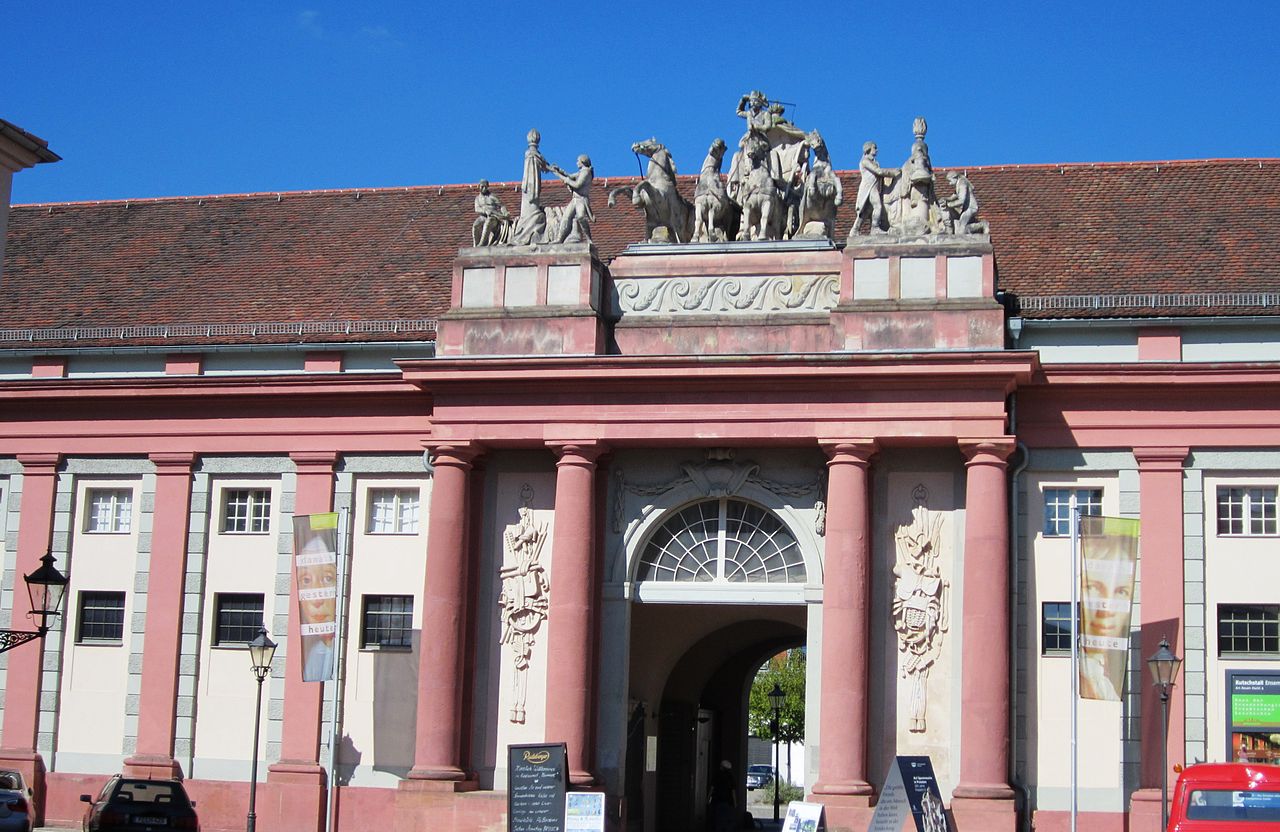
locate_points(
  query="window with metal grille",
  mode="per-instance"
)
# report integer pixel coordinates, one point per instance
(393, 511)
(1247, 511)
(723, 541)
(1249, 629)
(237, 617)
(387, 621)
(1058, 503)
(1055, 628)
(110, 511)
(246, 510)
(101, 617)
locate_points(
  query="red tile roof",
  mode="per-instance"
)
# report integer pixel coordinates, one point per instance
(1105, 240)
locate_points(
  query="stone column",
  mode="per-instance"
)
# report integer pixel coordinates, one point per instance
(157, 709)
(846, 609)
(983, 798)
(22, 680)
(442, 646)
(1162, 594)
(572, 614)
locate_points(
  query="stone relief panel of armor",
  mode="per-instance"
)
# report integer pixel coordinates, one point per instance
(921, 602)
(524, 597)
(716, 476)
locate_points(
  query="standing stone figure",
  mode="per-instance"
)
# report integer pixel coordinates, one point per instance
(965, 206)
(920, 605)
(575, 219)
(531, 226)
(822, 192)
(871, 189)
(524, 599)
(493, 226)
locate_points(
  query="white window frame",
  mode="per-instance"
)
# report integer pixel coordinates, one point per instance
(387, 508)
(256, 518)
(118, 517)
(1073, 500)
(1266, 525)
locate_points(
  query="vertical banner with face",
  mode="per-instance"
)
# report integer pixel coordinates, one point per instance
(1109, 554)
(315, 569)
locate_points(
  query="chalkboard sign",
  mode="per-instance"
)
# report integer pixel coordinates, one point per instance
(535, 790)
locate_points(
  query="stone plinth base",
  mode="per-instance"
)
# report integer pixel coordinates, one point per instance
(846, 812)
(1058, 821)
(429, 806)
(976, 814)
(152, 767)
(293, 798)
(438, 786)
(1145, 810)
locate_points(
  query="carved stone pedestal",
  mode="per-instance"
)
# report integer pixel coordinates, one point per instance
(524, 300)
(979, 814)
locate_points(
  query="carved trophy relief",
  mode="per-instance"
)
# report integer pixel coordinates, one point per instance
(921, 602)
(524, 598)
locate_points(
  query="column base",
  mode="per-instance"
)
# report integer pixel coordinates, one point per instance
(436, 773)
(417, 784)
(304, 772)
(153, 767)
(1145, 811)
(293, 798)
(984, 814)
(845, 812)
(847, 787)
(582, 779)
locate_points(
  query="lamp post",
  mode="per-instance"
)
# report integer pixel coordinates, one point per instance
(777, 698)
(46, 586)
(1164, 667)
(261, 650)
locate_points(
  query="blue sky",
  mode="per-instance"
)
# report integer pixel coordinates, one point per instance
(152, 99)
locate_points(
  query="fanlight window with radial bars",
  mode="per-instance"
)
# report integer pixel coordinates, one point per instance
(722, 541)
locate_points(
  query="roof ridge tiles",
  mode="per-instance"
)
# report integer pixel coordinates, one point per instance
(465, 186)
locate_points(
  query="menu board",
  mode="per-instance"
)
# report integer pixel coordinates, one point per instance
(536, 786)
(1253, 716)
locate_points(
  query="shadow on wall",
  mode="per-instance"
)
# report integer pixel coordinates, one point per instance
(393, 676)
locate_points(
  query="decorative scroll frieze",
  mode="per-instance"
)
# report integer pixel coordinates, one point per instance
(921, 601)
(717, 476)
(713, 295)
(524, 598)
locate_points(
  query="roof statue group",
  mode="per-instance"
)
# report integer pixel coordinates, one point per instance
(780, 186)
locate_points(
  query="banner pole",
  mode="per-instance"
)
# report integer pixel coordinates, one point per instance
(1075, 657)
(339, 617)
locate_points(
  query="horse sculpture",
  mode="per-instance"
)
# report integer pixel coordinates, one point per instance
(657, 196)
(822, 193)
(713, 210)
(760, 198)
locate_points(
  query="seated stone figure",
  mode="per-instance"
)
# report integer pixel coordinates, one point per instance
(493, 225)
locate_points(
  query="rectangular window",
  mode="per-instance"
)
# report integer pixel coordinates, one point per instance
(110, 511)
(393, 511)
(387, 621)
(1249, 629)
(1246, 511)
(1055, 628)
(1058, 503)
(238, 617)
(246, 510)
(101, 617)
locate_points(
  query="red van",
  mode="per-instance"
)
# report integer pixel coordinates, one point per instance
(1226, 797)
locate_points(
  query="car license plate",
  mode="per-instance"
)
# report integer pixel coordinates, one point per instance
(150, 820)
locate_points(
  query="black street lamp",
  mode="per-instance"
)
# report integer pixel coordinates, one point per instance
(1164, 667)
(261, 650)
(46, 586)
(777, 698)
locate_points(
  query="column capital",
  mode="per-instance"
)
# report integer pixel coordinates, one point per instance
(45, 465)
(315, 462)
(987, 450)
(856, 451)
(578, 452)
(173, 462)
(453, 454)
(1161, 459)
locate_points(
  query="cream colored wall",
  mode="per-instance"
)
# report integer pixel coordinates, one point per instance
(1238, 570)
(95, 676)
(1100, 776)
(226, 688)
(380, 691)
